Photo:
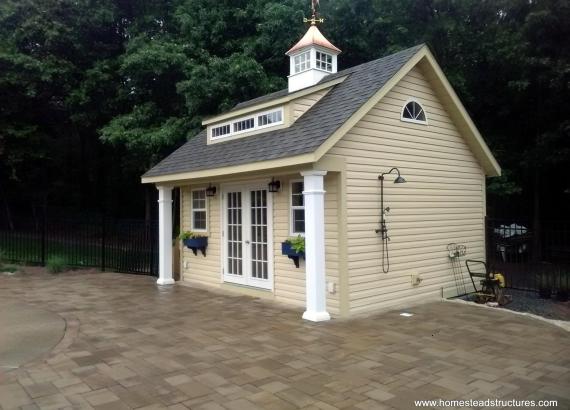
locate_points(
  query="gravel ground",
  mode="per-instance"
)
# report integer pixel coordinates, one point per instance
(529, 302)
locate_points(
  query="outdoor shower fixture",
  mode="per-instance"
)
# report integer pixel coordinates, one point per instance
(383, 231)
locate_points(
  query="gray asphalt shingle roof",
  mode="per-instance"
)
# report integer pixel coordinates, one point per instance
(304, 136)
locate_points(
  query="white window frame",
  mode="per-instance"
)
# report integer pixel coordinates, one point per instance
(307, 62)
(256, 125)
(292, 208)
(260, 127)
(192, 210)
(220, 125)
(402, 118)
(236, 122)
(321, 62)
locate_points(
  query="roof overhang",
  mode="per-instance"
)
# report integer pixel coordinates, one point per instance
(174, 179)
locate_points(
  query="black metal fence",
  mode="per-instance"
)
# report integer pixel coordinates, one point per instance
(128, 246)
(530, 257)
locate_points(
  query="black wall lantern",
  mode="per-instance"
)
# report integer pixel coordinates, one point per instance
(211, 190)
(274, 185)
(383, 231)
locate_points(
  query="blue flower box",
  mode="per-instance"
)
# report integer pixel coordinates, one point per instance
(197, 244)
(287, 249)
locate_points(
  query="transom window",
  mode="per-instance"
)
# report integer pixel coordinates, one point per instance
(324, 61)
(199, 210)
(244, 124)
(302, 62)
(414, 112)
(221, 130)
(269, 118)
(297, 208)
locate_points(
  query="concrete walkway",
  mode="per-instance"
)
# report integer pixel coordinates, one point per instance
(140, 346)
(26, 333)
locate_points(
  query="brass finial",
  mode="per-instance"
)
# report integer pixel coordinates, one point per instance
(314, 20)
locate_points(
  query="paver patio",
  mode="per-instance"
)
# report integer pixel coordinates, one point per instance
(130, 344)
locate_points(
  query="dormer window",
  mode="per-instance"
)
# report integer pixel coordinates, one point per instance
(250, 123)
(243, 125)
(270, 118)
(414, 112)
(302, 62)
(220, 131)
(324, 61)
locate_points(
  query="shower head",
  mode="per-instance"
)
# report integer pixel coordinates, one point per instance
(399, 179)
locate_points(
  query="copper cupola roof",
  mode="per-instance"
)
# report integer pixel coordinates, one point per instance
(313, 36)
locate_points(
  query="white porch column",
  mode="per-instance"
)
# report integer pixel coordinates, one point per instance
(164, 235)
(314, 196)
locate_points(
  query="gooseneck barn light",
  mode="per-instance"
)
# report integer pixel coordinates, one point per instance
(383, 231)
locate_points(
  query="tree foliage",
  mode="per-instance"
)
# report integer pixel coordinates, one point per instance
(93, 93)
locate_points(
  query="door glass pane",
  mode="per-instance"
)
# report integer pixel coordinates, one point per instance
(259, 264)
(234, 233)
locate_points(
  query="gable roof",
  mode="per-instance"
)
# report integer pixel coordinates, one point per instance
(353, 93)
(302, 137)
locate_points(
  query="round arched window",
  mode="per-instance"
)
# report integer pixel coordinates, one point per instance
(414, 112)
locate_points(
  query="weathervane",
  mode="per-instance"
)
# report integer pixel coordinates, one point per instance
(314, 20)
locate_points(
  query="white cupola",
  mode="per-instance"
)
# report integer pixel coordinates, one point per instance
(311, 59)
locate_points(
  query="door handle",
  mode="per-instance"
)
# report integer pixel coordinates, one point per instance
(247, 242)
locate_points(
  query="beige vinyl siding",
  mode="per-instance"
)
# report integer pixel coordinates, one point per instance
(289, 281)
(442, 201)
(302, 105)
(197, 268)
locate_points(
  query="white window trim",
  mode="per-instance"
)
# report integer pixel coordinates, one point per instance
(402, 118)
(247, 118)
(256, 125)
(317, 61)
(308, 62)
(220, 125)
(292, 208)
(198, 209)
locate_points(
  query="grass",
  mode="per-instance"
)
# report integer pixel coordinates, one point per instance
(56, 264)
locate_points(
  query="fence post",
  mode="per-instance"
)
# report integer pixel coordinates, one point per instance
(150, 227)
(103, 243)
(43, 239)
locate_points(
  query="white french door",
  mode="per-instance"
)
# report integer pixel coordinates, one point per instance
(247, 236)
